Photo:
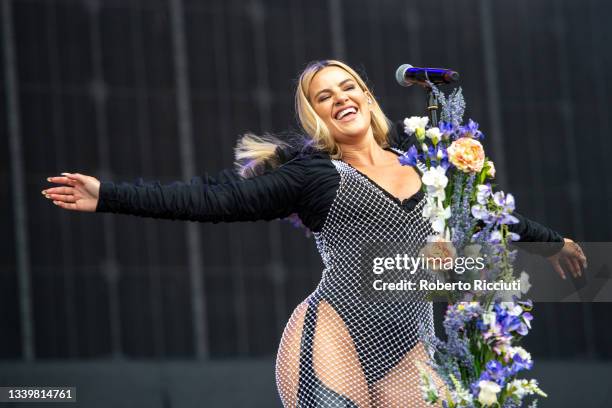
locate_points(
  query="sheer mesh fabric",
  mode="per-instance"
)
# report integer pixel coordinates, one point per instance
(343, 346)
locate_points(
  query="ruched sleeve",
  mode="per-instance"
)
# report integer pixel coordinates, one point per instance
(274, 194)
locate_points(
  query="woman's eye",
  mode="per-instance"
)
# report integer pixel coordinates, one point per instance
(348, 88)
(321, 99)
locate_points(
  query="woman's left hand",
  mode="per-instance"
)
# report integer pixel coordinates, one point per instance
(572, 258)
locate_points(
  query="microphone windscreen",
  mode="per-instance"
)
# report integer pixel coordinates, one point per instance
(399, 75)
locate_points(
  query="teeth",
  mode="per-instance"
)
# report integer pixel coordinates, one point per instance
(345, 112)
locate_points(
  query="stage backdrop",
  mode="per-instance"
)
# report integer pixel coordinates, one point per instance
(161, 89)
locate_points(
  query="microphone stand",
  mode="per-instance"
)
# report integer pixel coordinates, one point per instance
(432, 102)
(432, 106)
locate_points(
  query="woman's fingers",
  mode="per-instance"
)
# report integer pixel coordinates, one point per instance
(62, 180)
(77, 177)
(569, 265)
(58, 190)
(66, 198)
(557, 268)
(579, 255)
(577, 266)
(67, 206)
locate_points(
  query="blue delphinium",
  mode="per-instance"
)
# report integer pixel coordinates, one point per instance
(471, 130)
(411, 157)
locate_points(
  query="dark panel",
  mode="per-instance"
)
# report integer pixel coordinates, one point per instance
(31, 27)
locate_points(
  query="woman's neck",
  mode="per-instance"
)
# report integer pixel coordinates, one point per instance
(364, 153)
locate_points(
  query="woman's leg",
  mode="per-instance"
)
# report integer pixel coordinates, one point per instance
(400, 387)
(335, 358)
(288, 357)
(334, 378)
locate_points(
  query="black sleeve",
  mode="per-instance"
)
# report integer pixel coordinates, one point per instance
(398, 138)
(274, 194)
(549, 241)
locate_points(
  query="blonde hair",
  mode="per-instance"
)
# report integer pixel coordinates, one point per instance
(253, 152)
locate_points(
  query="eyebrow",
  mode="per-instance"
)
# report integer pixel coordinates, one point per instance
(327, 90)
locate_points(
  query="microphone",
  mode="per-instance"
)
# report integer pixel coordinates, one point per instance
(407, 75)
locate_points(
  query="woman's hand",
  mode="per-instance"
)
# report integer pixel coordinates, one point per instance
(572, 258)
(78, 192)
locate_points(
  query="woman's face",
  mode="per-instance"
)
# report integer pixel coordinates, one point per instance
(339, 101)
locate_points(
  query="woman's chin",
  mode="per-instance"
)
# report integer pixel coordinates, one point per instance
(353, 129)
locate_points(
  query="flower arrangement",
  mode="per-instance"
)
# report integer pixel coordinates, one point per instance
(465, 213)
(480, 358)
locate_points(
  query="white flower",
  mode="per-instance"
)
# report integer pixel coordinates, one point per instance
(490, 166)
(436, 213)
(435, 179)
(518, 388)
(507, 296)
(489, 318)
(412, 123)
(427, 385)
(524, 281)
(523, 354)
(488, 393)
(514, 309)
(433, 133)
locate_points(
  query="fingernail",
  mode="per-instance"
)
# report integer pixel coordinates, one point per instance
(48, 178)
(43, 192)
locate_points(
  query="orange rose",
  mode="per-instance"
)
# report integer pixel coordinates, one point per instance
(467, 155)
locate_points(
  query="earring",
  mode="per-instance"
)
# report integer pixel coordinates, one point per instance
(369, 101)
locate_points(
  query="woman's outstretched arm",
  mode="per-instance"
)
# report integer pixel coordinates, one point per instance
(275, 194)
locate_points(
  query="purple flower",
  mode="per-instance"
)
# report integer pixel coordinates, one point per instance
(509, 219)
(471, 130)
(519, 364)
(448, 130)
(527, 305)
(495, 371)
(411, 157)
(506, 202)
(438, 156)
(483, 193)
(513, 236)
(495, 237)
(480, 212)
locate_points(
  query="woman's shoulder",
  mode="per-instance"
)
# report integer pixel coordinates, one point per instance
(303, 152)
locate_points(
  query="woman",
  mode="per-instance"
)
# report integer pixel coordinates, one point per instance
(341, 347)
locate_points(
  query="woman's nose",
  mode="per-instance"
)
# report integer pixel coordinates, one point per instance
(341, 98)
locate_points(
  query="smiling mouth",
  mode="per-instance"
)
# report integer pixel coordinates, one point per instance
(346, 113)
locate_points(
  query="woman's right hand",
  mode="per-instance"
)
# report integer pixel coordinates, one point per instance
(77, 192)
